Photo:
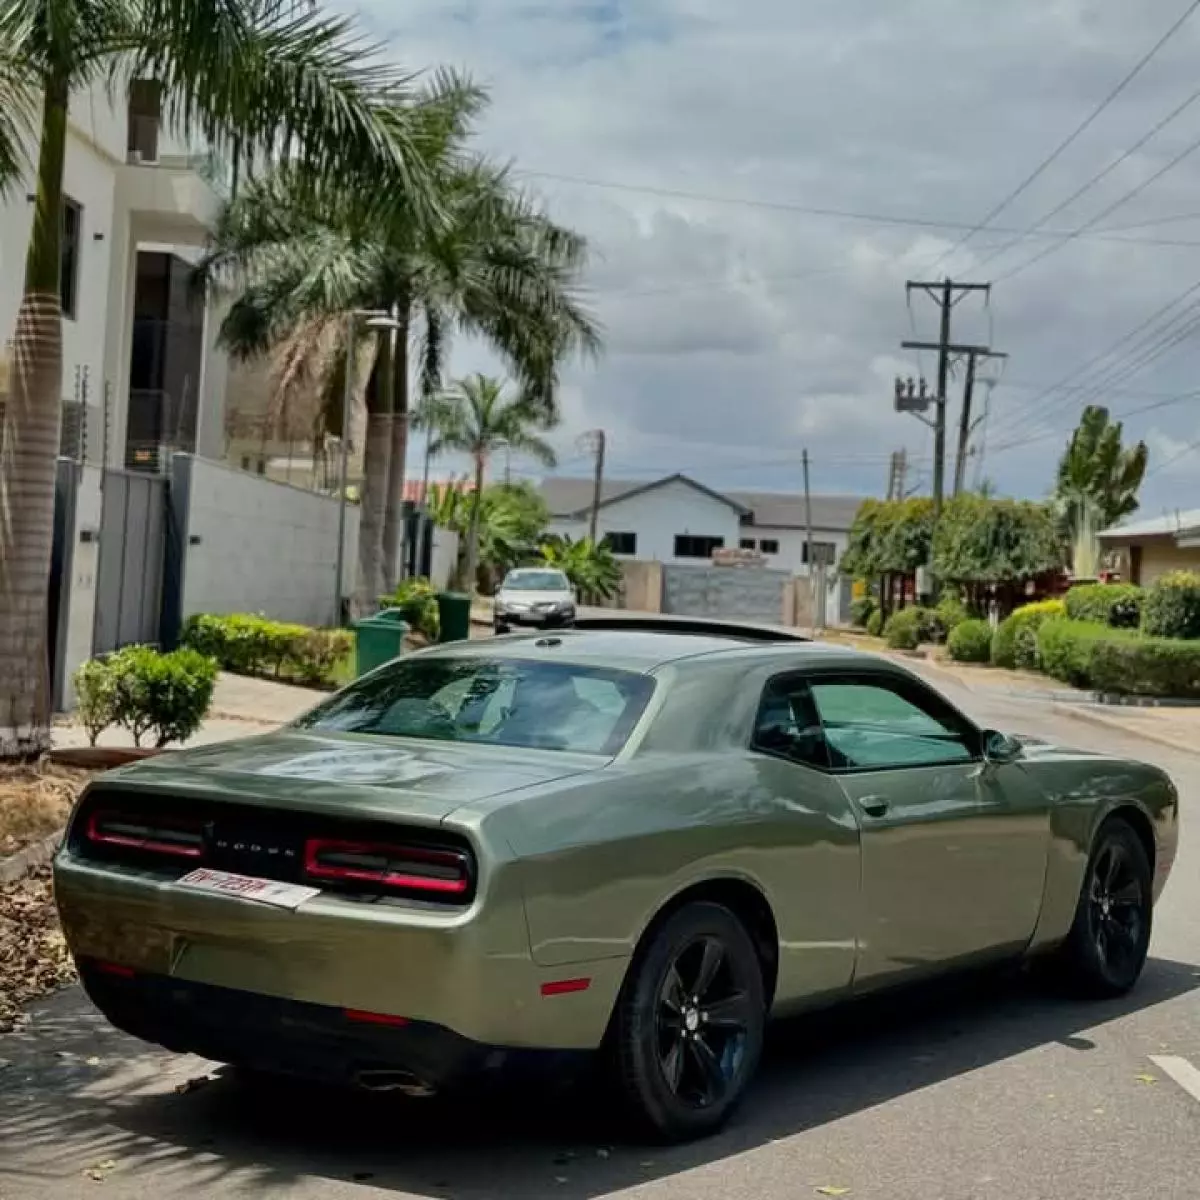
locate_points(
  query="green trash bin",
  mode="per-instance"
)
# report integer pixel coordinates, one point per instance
(454, 616)
(378, 639)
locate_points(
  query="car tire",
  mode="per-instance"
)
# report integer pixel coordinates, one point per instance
(1106, 949)
(681, 1074)
(499, 628)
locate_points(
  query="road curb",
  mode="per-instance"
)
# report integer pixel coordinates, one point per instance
(1104, 721)
(17, 866)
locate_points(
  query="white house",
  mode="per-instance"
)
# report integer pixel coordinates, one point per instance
(679, 521)
(140, 365)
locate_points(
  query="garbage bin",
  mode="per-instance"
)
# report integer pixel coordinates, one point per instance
(378, 639)
(454, 616)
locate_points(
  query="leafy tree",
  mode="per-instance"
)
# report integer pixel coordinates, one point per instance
(1097, 468)
(478, 417)
(249, 77)
(489, 263)
(590, 566)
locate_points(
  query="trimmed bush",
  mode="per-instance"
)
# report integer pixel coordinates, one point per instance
(1065, 649)
(251, 645)
(167, 695)
(418, 599)
(970, 641)
(1115, 604)
(861, 610)
(904, 628)
(951, 613)
(875, 623)
(1171, 608)
(1010, 647)
(1146, 667)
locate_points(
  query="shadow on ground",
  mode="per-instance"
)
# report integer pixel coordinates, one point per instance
(76, 1094)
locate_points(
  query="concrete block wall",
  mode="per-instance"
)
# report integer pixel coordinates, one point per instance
(727, 593)
(253, 545)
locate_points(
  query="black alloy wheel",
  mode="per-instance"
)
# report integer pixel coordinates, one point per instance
(689, 1031)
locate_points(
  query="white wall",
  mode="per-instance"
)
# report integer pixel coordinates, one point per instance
(444, 557)
(262, 547)
(81, 589)
(657, 516)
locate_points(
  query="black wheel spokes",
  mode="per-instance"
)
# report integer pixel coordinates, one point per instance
(703, 1022)
(1116, 901)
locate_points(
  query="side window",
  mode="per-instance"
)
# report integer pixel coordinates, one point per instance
(787, 724)
(871, 725)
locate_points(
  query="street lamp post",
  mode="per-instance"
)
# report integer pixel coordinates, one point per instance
(374, 319)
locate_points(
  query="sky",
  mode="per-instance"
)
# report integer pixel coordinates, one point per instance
(691, 142)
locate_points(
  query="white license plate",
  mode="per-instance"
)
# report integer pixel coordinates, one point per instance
(246, 887)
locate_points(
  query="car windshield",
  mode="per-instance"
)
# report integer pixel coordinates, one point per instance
(536, 581)
(499, 702)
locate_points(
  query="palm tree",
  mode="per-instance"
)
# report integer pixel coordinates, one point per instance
(251, 77)
(477, 417)
(488, 264)
(1095, 464)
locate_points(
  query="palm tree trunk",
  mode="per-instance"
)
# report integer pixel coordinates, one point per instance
(29, 442)
(393, 522)
(373, 500)
(472, 568)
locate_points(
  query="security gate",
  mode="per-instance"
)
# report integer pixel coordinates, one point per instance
(129, 581)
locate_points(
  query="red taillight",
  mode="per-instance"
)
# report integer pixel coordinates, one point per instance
(396, 868)
(114, 969)
(373, 1018)
(151, 836)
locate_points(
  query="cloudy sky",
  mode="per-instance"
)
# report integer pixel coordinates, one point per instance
(706, 148)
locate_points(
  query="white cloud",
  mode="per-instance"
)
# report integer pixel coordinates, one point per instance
(737, 332)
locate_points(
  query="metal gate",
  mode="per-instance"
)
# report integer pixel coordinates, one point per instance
(129, 580)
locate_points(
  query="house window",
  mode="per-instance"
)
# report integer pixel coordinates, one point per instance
(748, 544)
(769, 545)
(145, 118)
(824, 553)
(689, 546)
(68, 257)
(621, 543)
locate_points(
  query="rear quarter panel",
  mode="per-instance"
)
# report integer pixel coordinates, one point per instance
(600, 858)
(1083, 791)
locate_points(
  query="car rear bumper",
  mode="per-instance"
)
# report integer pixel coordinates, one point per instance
(309, 1041)
(535, 620)
(469, 973)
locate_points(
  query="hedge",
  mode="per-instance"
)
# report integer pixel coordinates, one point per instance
(875, 623)
(1115, 604)
(251, 645)
(145, 691)
(1171, 608)
(970, 641)
(1015, 643)
(904, 628)
(1119, 662)
(861, 611)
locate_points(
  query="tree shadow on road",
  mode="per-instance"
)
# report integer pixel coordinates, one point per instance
(77, 1094)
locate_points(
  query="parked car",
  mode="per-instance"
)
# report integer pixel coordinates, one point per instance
(639, 838)
(537, 596)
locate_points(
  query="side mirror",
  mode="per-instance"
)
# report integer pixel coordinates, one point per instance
(999, 747)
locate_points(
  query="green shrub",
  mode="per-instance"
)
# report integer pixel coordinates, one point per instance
(252, 645)
(861, 611)
(1171, 608)
(167, 694)
(970, 641)
(418, 598)
(904, 628)
(1065, 648)
(1010, 648)
(875, 623)
(1115, 604)
(952, 612)
(96, 697)
(1144, 666)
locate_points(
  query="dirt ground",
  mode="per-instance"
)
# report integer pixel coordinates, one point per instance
(34, 802)
(33, 955)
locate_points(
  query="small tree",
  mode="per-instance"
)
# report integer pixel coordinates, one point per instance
(1097, 472)
(590, 566)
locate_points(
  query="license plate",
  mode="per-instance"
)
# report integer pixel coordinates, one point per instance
(265, 891)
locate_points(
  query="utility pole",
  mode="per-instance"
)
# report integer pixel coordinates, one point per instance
(812, 568)
(965, 426)
(946, 295)
(598, 440)
(897, 474)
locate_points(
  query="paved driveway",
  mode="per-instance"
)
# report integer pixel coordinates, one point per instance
(992, 1090)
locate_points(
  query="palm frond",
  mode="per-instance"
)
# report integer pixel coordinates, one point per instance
(18, 93)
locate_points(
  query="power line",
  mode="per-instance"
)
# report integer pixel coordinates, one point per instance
(1075, 133)
(1162, 466)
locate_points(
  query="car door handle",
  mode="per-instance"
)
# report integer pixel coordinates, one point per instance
(874, 806)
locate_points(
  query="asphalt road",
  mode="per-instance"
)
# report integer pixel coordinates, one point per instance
(993, 1089)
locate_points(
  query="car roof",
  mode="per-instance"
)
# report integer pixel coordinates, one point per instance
(644, 645)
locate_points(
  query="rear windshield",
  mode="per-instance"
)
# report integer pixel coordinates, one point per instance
(499, 702)
(536, 581)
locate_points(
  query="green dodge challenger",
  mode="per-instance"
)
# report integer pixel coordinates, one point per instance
(637, 837)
